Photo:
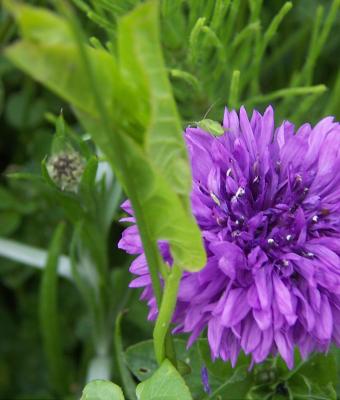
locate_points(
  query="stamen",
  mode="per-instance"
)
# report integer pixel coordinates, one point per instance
(229, 172)
(240, 192)
(315, 218)
(289, 237)
(215, 198)
(271, 241)
(298, 178)
(309, 254)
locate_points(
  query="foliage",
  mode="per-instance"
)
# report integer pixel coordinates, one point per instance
(118, 67)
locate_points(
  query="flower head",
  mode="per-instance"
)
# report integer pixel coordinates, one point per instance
(66, 170)
(267, 202)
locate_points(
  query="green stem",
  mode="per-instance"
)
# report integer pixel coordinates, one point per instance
(165, 314)
(163, 343)
(149, 245)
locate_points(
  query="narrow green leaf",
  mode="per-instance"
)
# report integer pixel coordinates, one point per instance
(284, 93)
(127, 381)
(234, 89)
(49, 314)
(165, 384)
(102, 390)
(87, 185)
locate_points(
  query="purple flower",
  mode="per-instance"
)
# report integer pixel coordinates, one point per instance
(267, 202)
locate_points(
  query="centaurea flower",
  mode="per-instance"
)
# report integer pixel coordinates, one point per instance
(267, 202)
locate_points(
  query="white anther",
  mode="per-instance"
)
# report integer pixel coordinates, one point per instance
(315, 218)
(229, 172)
(288, 237)
(240, 192)
(215, 198)
(271, 241)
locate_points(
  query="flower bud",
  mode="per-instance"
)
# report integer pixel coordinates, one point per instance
(66, 170)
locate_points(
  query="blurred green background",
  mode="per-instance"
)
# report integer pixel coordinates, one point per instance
(200, 68)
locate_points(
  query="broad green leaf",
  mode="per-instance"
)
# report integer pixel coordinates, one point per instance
(237, 387)
(219, 368)
(141, 58)
(102, 390)
(141, 361)
(49, 314)
(141, 61)
(143, 119)
(56, 66)
(37, 25)
(315, 377)
(165, 384)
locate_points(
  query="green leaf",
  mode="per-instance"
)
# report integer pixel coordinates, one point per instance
(102, 390)
(155, 171)
(141, 360)
(87, 186)
(37, 25)
(127, 381)
(220, 369)
(165, 384)
(237, 387)
(314, 377)
(49, 314)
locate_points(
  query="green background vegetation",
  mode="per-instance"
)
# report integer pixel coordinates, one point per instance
(216, 53)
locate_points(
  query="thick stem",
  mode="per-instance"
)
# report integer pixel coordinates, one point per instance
(166, 310)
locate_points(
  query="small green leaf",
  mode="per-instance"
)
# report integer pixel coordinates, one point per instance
(102, 390)
(165, 384)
